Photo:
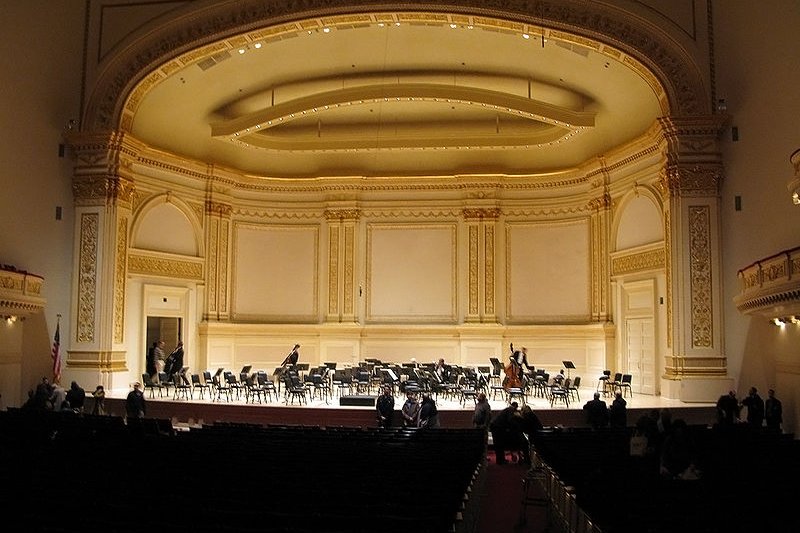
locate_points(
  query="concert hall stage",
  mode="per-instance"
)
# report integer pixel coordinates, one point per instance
(452, 413)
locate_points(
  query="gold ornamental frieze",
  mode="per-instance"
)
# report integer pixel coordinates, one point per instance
(87, 276)
(165, 267)
(342, 215)
(638, 262)
(700, 276)
(482, 213)
(20, 292)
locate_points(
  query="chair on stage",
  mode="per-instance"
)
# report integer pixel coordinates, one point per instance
(322, 388)
(200, 386)
(560, 392)
(166, 381)
(181, 387)
(294, 389)
(221, 386)
(152, 386)
(234, 385)
(574, 387)
(603, 382)
(625, 384)
(269, 390)
(613, 384)
(343, 381)
(252, 389)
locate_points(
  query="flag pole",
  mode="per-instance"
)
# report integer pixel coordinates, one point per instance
(57, 351)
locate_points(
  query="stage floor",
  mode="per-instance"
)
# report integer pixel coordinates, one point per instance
(453, 412)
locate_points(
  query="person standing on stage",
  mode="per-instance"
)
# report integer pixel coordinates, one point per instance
(410, 411)
(293, 357)
(385, 408)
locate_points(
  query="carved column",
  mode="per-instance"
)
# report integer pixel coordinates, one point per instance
(342, 290)
(690, 182)
(103, 191)
(481, 223)
(218, 238)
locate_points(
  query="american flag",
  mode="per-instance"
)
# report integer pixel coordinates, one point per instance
(57, 354)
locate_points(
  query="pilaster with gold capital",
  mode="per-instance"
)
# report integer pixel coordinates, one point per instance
(690, 183)
(103, 191)
(342, 288)
(481, 225)
(218, 260)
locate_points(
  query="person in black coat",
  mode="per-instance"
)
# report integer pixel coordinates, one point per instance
(384, 406)
(135, 404)
(596, 412)
(618, 412)
(755, 408)
(174, 360)
(773, 412)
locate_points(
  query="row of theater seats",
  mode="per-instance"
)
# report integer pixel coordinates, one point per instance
(82, 473)
(744, 475)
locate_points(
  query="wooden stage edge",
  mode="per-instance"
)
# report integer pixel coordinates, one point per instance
(451, 414)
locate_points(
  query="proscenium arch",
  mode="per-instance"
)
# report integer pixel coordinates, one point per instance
(207, 23)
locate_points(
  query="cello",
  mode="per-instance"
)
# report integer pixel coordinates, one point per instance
(512, 370)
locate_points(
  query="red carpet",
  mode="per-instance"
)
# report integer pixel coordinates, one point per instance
(503, 511)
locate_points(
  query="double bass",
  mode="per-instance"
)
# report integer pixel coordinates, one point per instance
(512, 370)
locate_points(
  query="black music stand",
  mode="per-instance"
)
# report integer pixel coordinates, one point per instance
(569, 366)
(246, 369)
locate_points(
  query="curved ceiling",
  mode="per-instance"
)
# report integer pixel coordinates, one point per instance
(397, 95)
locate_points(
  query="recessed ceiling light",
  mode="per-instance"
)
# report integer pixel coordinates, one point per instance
(257, 45)
(453, 26)
(526, 36)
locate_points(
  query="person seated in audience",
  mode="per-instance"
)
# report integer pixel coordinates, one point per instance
(410, 410)
(384, 407)
(664, 422)
(76, 396)
(58, 396)
(596, 412)
(678, 454)
(428, 413)
(618, 412)
(483, 412)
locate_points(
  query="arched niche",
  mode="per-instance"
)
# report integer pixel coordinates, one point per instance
(640, 220)
(166, 224)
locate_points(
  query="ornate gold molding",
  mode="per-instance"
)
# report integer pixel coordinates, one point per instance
(349, 268)
(692, 180)
(680, 366)
(333, 270)
(481, 213)
(473, 269)
(20, 292)
(165, 267)
(342, 214)
(770, 287)
(103, 190)
(87, 276)
(488, 254)
(700, 267)
(218, 209)
(119, 281)
(102, 360)
(640, 261)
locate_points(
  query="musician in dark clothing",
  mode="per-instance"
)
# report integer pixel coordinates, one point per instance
(293, 357)
(385, 408)
(175, 360)
(150, 366)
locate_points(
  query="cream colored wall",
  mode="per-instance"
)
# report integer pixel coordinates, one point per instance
(755, 77)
